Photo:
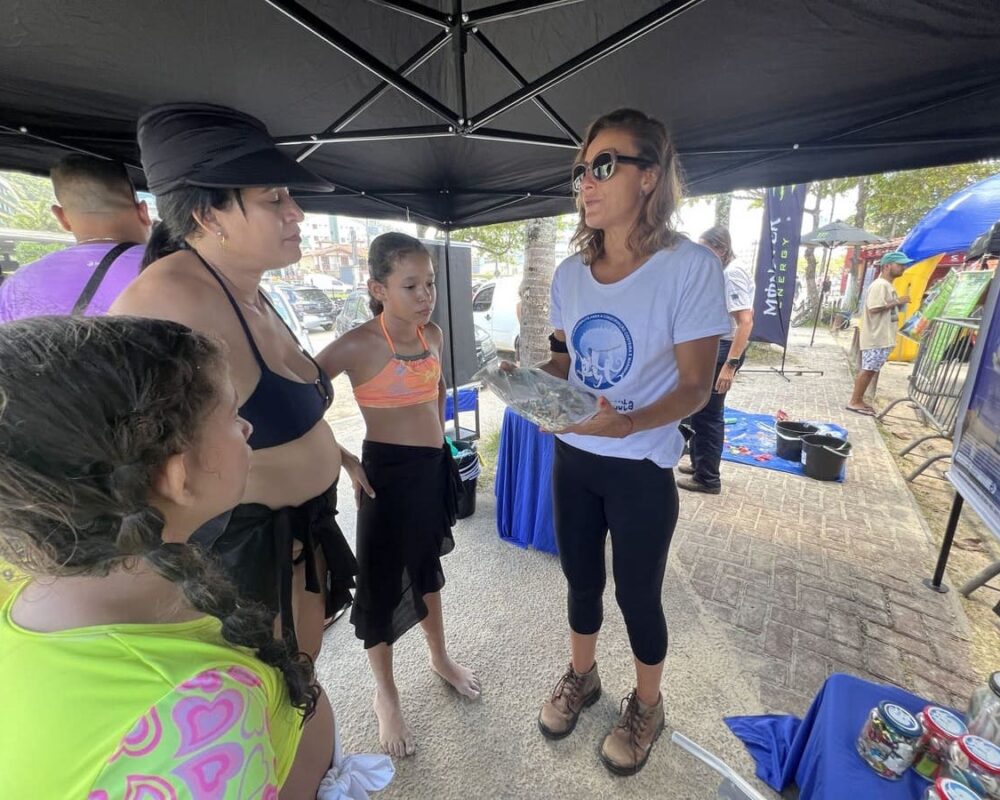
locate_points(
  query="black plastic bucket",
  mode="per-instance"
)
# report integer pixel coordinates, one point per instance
(467, 499)
(467, 453)
(824, 457)
(790, 439)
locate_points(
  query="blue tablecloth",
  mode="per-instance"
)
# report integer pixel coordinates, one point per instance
(817, 753)
(523, 484)
(467, 401)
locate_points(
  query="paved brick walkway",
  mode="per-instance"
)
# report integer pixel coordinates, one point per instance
(810, 578)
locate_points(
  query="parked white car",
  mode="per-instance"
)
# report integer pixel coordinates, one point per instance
(287, 313)
(494, 307)
(326, 282)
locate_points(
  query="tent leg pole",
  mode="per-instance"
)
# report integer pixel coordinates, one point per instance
(949, 536)
(451, 333)
(822, 293)
(784, 355)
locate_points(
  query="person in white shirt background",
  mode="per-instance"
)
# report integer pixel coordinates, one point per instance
(637, 314)
(709, 424)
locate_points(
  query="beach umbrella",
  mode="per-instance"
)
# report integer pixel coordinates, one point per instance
(836, 234)
(955, 224)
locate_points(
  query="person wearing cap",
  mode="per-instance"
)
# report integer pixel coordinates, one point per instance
(879, 322)
(222, 190)
(96, 202)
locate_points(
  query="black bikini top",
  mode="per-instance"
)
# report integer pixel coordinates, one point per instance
(281, 410)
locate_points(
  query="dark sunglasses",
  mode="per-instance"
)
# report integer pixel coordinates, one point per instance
(603, 167)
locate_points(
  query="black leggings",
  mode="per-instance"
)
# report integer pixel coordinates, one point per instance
(637, 501)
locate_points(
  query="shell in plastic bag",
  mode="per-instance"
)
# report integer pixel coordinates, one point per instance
(551, 403)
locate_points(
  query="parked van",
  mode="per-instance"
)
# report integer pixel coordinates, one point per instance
(494, 307)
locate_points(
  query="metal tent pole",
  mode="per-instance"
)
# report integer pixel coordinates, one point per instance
(822, 293)
(606, 47)
(451, 333)
(949, 536)
(317, 26)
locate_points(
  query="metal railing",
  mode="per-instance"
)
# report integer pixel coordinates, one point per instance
(934, 387)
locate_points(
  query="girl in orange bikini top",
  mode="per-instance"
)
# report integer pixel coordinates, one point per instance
(404, 380)
(404, 528)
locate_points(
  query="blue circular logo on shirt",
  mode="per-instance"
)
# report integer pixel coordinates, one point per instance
(604, 350)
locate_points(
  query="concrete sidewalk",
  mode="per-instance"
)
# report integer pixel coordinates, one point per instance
(808, 578)
(505, 612)
(772, 585)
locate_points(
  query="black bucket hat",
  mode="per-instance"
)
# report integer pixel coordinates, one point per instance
(201, 144)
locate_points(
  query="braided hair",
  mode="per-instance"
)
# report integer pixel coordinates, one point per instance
(90, 411)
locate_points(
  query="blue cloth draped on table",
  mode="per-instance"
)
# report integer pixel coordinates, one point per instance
(817, 753)
(523, 484)
(467, 401)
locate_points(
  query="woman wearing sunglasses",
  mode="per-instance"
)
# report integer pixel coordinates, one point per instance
(638, 312)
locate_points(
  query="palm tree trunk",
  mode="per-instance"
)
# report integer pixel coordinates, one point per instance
(723, 208)
(539, 264)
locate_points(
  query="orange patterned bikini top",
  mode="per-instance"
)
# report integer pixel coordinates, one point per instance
(403, 381)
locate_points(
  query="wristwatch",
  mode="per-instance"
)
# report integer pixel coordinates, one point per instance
(733, 362)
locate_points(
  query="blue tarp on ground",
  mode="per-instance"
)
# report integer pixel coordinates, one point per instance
(755, 433)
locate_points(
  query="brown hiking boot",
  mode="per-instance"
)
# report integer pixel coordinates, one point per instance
(626, 749)
(574, 692)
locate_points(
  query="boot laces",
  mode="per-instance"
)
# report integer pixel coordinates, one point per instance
(568, 685)
(632, 719)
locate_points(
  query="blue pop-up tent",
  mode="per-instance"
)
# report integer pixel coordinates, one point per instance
(956, 223)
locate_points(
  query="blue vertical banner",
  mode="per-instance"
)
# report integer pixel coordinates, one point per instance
(777, 263)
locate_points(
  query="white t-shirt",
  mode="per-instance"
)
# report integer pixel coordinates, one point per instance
(621, 337)
(740, 290)
(878, 330)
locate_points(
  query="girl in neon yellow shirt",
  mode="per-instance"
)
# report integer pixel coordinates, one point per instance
(128, 666)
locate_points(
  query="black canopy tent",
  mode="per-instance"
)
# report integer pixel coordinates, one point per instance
(468, 112)
(458, 113)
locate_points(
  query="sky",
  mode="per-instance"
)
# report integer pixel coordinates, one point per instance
(745, 222)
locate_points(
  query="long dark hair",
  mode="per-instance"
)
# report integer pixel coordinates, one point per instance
(177, 210)
(383, 255)
(90, 410)
(653, 229)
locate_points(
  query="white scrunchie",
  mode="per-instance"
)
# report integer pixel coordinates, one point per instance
(352, 777)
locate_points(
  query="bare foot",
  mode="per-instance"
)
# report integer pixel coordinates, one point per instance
(463, 679)
(396, 738)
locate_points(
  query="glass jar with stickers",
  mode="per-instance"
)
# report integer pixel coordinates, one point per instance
(949, 789)
(984, 710)
(941, 728)
(976, 762)
(888, 740)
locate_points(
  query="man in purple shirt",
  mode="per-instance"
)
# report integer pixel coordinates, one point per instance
(98, 205)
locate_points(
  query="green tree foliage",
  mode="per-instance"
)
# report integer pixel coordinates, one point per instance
(29, 187)
(502, 241)
(898, 200)
(34, 199)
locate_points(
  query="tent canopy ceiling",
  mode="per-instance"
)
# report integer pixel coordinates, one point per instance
(468, 112)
